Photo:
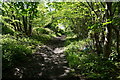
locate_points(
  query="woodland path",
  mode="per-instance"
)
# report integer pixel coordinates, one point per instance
(48, 63)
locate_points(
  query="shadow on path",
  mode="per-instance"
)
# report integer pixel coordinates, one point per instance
(48, 63)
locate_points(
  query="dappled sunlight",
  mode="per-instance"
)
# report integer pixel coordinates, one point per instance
(60, 40)
(48, 62)
(59, 50)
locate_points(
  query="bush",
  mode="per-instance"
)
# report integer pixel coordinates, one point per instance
(16, 50)
(42, 38)
(14, 53)
(6, 30)
(114, 55)
(76, 46)
(91, 65)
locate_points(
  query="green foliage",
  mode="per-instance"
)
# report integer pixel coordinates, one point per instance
(43, 17)
(114, 55)
(16, 50)
(77, 45)
(106, 23)
(97, 67)
(42, 34)
(42, 38)
(74, 16)
(19, 15)
(42, 21)
(91, 65)
(74, 50)
(40, 30)
(6, 30)
(14, 53)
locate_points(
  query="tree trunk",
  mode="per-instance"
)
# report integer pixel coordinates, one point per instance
(30, 26)
(20, 25)
(109, 30)
(118, 34)
(109, 41)
(15, 28)
(25, 24)
(97, 44)
(17, 25)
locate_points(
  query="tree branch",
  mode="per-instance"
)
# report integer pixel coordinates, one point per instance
(102, 4)
(92, 9)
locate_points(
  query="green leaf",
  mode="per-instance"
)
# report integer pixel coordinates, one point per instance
(106, 23)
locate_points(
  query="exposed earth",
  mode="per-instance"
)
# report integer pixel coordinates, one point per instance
(48, 63)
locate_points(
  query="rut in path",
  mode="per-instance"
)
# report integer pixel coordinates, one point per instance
(48, 63)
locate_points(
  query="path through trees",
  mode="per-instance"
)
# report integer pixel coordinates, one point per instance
(48, 63)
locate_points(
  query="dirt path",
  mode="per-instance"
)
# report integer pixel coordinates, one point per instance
(48, 63)
(54, 64)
